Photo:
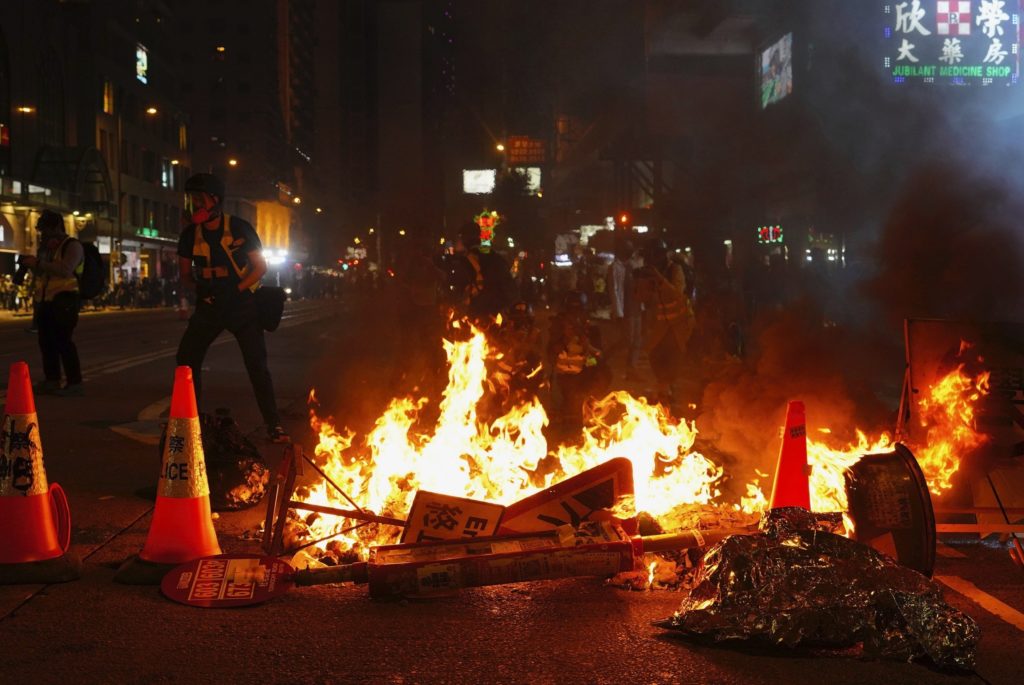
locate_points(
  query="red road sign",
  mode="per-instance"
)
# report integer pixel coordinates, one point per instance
(228, 580)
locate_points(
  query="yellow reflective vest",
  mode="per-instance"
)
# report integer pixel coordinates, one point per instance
(48, 286)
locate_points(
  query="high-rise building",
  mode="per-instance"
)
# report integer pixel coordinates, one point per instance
(91, 126)
(247, 83)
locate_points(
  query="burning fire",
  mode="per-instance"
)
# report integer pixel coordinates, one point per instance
(947, 418)
(508, 458)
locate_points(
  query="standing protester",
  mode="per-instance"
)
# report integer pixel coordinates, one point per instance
(480, 281)
(56, 268)
(578, 367)
(661, 286)
(626, 309)
(226, 254)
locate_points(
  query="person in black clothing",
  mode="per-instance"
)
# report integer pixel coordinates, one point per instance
(479, 281)
(225, 252)
(56, 268)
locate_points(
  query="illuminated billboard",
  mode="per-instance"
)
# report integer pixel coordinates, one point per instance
(776, 70)
(961, 42)
(478, 181)
(141, 63)
(531, 175)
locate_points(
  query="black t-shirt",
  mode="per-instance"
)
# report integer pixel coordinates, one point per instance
(243, 241)
(498, 288)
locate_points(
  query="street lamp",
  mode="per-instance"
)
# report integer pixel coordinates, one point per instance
(297, 200)
(24, 109)
(232, 162)
(152, 111)
(500, 147)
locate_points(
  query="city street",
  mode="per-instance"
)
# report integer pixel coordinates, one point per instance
(101, 449)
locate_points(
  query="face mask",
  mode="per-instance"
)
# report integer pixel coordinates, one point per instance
(201, 215)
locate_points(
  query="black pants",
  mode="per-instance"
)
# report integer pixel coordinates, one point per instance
(56, 321)
(242, 321)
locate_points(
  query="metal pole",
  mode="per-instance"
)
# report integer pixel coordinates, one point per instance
(116, 254)
(380, 257)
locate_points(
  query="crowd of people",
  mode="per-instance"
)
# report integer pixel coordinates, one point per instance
(569, 339)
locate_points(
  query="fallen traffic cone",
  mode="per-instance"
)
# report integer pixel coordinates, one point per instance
(35, 522)
(182, 528)
(791, 488)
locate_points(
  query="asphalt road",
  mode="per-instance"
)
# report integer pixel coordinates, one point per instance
(100, 449)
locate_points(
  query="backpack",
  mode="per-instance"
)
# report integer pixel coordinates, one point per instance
(93, 279)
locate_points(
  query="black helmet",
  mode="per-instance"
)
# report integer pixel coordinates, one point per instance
(205, 183)
(49, 220)
(470, 234)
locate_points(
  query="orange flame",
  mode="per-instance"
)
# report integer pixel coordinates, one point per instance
(947, 417)
(509, 458)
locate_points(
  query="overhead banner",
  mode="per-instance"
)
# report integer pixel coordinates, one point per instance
(960, 42)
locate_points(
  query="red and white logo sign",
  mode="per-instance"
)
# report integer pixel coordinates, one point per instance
(953, 17)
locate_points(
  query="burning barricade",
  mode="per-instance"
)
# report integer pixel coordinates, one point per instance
(480, 500)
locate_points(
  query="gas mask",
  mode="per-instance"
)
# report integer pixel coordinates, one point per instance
(200, 212)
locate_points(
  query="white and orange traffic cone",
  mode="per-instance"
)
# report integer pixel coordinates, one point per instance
(35, 522)
(791, 487)
(182, 527)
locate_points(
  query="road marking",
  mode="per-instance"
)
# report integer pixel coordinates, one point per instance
(125, 364)
(944, 550)
(984, 600)
(154, 411)
(119, 365)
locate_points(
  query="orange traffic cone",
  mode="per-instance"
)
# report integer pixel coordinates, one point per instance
(791, 488)
(182, 528)
(36, 523)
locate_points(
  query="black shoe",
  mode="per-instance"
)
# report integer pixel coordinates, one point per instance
(71, 390)
(46, 388)
(278, 435)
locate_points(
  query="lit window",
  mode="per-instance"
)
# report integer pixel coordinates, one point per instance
(108, 97)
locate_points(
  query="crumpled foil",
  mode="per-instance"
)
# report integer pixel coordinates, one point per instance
(796, 585)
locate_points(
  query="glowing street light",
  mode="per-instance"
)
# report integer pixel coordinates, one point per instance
(500, 147)
(371, 230)
(26, 110)
(232, 162)
(401, 231)
(151, 110)
(357, 241)
(175, 162)
(297, 200)
(319, 210)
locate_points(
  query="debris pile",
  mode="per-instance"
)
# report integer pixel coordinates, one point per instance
(794, 584)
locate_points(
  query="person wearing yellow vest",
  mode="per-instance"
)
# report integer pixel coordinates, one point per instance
(575, 359)
(220, 256)
(669, 321)
(56, 268)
